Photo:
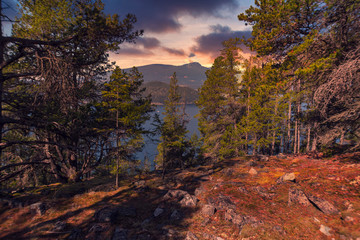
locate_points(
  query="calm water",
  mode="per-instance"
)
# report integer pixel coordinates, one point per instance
(150, 145)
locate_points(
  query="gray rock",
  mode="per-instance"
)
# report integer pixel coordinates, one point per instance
(189, 201)
(120, 234)
(158, 211)
(39, 208)
(191, 236)
(175, 215)
(221, 202)
(323, 205)
(231, 216)
(175, 194)
(228, 172)
(297, 196)
(208, 210)
(325, 230)
(287, 177)
(182, 197)
(263, 192)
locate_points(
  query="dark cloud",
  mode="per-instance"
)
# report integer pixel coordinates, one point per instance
(134, 52)
(161, 15)
(191, 55)
(148, 43)
(178, 52)
(212, 43)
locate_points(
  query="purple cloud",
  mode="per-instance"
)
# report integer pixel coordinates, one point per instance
(162, 15)
(212, 43)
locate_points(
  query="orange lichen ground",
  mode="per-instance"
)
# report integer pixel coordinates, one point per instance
(256, 196)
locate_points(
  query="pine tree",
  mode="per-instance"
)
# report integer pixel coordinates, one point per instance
(125, 113)
(172, 147)
(220, 108)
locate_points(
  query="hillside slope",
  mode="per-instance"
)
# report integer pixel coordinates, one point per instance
(159, 92)
(283, 197)
(189, 75)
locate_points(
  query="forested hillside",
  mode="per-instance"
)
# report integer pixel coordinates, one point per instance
(159, 92)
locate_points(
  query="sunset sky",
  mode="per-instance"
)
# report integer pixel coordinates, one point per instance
(179, 31)
(176, 32)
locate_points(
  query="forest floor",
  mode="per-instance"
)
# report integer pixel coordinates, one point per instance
(279, 197)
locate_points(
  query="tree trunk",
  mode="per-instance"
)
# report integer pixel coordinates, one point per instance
(288, 144)
(308, 139)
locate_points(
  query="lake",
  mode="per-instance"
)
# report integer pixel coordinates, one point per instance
(150, 145)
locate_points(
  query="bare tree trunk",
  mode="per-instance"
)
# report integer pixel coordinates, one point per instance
(117, 145)
(295, 136)
(255, 145)
(274, 132)
(289, 128)
(308, 139)
(314, 142)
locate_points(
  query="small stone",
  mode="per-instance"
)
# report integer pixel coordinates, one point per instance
(253, 171)
(208, 210)
(325, 230)
(39, 208)
(290, 177)
(158, 211)
(175, 215)
(349, 219)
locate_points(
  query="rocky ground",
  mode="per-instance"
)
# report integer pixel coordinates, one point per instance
(282, 197)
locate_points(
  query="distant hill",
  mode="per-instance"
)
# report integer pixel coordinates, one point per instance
(189, 75)
(159, 92)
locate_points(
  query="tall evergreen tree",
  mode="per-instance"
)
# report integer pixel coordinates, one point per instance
(125, 113)
(172, 148)
(220, 109)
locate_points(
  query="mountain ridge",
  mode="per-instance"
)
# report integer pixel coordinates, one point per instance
(189, 75)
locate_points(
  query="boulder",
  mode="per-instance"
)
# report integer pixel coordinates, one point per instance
(236, 219)
(189, 201)
(262, 192)
(323, 205)
(208, 210)
(38, 208)
(221, 202)
(182, 197)
(297, 196)
(287, 177)
(175, 215)
(158, 211)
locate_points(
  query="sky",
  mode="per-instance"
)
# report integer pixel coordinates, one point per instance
(178, 32)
